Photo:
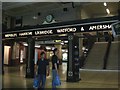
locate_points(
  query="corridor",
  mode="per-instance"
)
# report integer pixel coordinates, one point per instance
(14, 77)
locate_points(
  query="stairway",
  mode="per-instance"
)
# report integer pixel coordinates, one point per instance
(95, 58)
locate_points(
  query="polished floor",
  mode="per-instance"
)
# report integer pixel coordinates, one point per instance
(14, 77)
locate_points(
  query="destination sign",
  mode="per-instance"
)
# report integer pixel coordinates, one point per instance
(45, 32)
(25, 34)
(12, 35)
(65, 30)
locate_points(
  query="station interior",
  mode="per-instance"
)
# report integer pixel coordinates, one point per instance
(98, 49)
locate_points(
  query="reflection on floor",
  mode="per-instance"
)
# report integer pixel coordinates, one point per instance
(14, 77)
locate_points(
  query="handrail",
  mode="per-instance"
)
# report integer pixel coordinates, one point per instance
(106, 54)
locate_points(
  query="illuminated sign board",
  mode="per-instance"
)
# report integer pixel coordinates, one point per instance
(65, 30)
(45, 32)
(25, 34)
(98, 27)
(12, 35)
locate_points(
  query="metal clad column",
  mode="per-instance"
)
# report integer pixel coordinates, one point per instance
(70, 56)
(30, 58)
(73, 73)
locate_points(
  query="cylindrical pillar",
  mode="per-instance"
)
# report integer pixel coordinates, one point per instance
(30, 58)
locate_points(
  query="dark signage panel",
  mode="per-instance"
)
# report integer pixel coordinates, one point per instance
(63, 30)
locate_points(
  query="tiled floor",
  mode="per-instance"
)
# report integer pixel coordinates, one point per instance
(14, 77)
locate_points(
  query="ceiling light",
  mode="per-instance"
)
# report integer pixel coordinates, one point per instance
(53, 48)
(48, 48)
(105, 4)
(85, 52)
(63, 50)
(25, 44)
(83, 48)
(75, 46)
(21, 61)
(62, 43)
(108, 11)
(66, 41)
(86, 49)
(37, 46)
(57, 40)
(62, 35)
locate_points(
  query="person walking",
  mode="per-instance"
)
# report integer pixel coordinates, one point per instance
(54, 67)
(43, 70)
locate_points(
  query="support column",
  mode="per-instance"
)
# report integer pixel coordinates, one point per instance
(80, 47)
(30, 58)
(59, 47)
(97, 39)
(73, 73)
(11, 53)
(81, 52)
(2, 57)
(15, 54)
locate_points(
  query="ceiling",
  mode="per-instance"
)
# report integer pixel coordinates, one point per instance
(15, 8)
(91, 8)
(10, 5)
(98, 9)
